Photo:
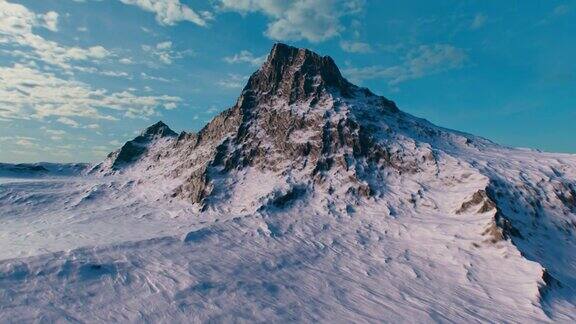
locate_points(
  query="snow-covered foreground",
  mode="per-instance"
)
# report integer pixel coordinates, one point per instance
(349, 266)
(40, 215)
(127, 257)
(238, 271)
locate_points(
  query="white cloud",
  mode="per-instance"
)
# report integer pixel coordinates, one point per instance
(146, 76)
(246, 57)
(25, 143)
(233, 81)
(68, 121)
(19, 140)
(420, 62)
(17, 25)
(27, 93)
(116, 74)
(313, 20)
(56, 135)
(170, 12)
(50, 20)
(170, 105)
(164, 45)
(55, 131)
(479, 21)
(17, 19)
(355, 47)
(126, 60)
(165, 53)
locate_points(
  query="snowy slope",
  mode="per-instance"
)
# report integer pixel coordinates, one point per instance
(310, 199)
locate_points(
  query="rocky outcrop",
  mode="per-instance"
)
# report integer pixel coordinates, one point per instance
(566, 193)
(159, 129)
(292, 74)
(500, 227)
(132, 150)
(479, 200)
(296, 114)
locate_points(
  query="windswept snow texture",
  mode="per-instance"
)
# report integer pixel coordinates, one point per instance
(310, 200)
(56, 214)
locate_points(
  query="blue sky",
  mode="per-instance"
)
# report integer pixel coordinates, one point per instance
(79, 77)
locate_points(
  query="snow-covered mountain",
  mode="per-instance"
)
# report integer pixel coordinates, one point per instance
(311, 199)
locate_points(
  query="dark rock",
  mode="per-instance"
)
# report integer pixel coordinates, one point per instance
(199, 235)
(158, 129)
(501, 227)
(566, 193)
(296, 74)
(132, 150)
(285, 199)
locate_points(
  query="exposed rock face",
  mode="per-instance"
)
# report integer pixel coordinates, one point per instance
(293, 75)
(133, 150)
(297, 117)
(296, 108)
(478, 199)
(566, 193)
(157, 130)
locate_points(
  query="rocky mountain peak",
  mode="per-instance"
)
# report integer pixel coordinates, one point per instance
(297, 115)
(158, 129)
(134, 149)
(296, 74)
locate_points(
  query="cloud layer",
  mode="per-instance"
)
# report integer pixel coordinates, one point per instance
(355, 47)
(245, 57)
(170, 12)
(417, 63)
(313, 20)
(28, 93)
(17, 25)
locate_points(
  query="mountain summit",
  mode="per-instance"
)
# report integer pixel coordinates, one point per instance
(296, 113)
(327, 168)
(294, 74)
(158, 129)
